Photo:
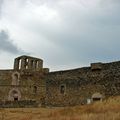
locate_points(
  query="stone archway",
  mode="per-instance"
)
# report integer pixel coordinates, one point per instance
(97, 97)
(14, 95)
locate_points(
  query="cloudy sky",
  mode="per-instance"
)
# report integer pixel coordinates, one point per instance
(64, 33)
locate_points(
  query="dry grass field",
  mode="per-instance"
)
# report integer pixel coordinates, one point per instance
(107, 110)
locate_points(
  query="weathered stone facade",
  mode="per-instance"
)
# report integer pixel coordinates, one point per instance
(29, 84)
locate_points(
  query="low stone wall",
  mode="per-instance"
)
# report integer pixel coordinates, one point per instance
(18, 104)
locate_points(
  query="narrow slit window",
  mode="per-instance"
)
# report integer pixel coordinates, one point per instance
(34, 89)
(19, 64)
(62, 89)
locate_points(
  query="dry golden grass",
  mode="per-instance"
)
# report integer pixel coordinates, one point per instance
(107, 110)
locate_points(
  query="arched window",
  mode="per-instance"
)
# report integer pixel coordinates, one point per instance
(15, 79)
(19, 64)
(26, 63)
(16, 76)
(62, 89)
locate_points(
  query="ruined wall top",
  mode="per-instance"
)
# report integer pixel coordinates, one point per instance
(27, 62)
(26, 56)
(96, 66)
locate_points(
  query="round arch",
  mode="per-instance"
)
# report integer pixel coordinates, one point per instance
(14, 95)
(15, 78)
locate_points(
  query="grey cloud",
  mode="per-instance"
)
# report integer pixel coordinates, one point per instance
(110, 2)
(1, 2)
(84, 34)
(88, 37)
(7, 45)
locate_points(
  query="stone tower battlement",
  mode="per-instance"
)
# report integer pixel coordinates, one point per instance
(26, 62)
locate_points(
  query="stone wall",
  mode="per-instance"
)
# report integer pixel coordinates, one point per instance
(60, 88)
(19, 104)
(80, 84)
(30, 86)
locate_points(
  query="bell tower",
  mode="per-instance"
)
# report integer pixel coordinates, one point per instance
(28, 63)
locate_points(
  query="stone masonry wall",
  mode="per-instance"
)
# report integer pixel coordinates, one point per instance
(80, 84)
(30, 85)
(40, 87)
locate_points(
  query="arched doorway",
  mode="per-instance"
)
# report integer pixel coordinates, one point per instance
(14, 95)
(97, 97)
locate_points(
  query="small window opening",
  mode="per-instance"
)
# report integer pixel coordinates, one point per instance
(35, 89)
(27, 60)
(62, 89)
(19, 64)
(16, 99)
(26, 63)
(26, 67)
(96, 99)
(16, 76)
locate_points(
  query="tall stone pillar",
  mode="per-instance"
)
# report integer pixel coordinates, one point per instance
(34, 64)
(23, 63)
(29, 64)
(40, 64)
(16, 64)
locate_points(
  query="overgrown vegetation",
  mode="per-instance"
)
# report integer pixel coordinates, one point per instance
(107, 110)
